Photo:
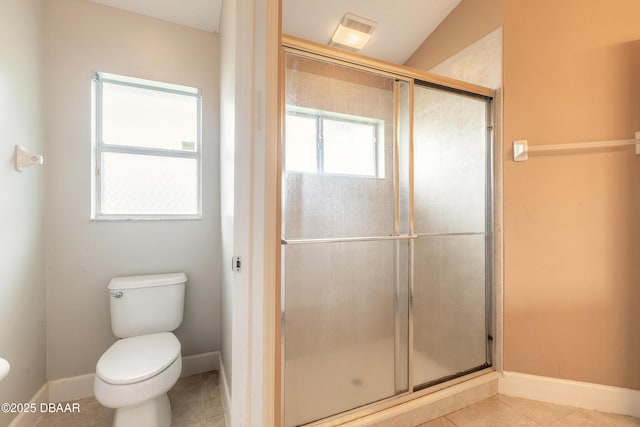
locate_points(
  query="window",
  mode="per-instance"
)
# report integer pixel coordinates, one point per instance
(147, 149)
(329, 143)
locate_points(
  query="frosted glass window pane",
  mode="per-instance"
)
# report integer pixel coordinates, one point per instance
(449, 305)
(139, 117)
(450, 158)
(137, 185)
(325, 206)
(352, 192)
(349, 148)
(301, 136)
(343, 310)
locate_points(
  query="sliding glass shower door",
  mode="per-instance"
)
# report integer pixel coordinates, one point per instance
(452, 222)
(386, 237)
(345, 267)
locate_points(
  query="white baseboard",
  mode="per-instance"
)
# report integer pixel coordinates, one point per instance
(604, 398)
(28, 419)
(224, 392)
(200, 363)
(70, 389)
(81, 387)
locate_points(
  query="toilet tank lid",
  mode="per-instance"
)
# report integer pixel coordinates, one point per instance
(133, 282)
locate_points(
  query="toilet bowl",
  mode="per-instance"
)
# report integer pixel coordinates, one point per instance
(134, 375)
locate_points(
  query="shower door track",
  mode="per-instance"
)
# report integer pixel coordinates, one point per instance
(389, 402)
(360, 62)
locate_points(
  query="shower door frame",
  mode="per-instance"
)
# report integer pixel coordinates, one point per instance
(311, 50)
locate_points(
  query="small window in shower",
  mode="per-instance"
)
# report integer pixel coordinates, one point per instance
(327, 143)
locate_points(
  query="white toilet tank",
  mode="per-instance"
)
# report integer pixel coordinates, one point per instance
(142, 305)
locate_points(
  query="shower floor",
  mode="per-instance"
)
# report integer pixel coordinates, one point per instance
(323, 384)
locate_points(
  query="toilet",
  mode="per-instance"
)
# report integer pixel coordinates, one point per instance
(134, 375)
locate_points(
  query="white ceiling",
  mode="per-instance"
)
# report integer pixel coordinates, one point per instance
(200, 14)
(402, 24)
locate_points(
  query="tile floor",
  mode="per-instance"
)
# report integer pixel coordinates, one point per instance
(195, 402)
(507, 411)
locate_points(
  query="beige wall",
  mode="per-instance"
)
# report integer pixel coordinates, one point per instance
(572, 239)
(82, 38)
(22, 291)
(467, 23)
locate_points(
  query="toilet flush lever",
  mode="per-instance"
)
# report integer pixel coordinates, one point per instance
(117, 294)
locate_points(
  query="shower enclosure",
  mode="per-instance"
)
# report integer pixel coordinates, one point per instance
(386, 236)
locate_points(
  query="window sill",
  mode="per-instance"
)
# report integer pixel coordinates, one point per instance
(146, 218)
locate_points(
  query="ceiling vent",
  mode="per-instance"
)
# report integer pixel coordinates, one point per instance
(353, 32)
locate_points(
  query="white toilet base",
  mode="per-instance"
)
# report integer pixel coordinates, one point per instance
(151, 413)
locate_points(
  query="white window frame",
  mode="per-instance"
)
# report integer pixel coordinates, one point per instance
(319, 116)
(99, 147)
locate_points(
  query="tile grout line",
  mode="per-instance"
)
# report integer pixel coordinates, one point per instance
(450, 420)
(565, 415)
(574, 409)
(519, 411)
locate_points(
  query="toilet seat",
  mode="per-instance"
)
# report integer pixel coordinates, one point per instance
(135, 359)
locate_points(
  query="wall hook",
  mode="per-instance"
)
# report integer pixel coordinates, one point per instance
(25, 159)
